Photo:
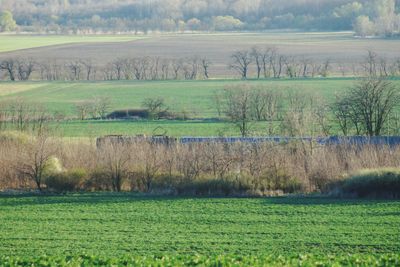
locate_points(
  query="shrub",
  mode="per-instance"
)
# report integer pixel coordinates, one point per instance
(66, 181)
(383, 183)
(129, 113)
(98, 180)
(208, 187)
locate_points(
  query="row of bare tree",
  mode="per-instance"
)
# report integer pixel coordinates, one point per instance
(269, 63)
(23, 115)
(369, 107)
(143, 68)
(257, 62)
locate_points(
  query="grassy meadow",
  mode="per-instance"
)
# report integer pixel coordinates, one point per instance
(194, 98)
(9, 43)
(115, 225)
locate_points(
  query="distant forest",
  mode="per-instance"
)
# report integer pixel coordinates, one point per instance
(365, 17)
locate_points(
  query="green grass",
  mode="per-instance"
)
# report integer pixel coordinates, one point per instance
(172, 128)
(10, 43)
(201, 260)
(117, 225)
(195, 97)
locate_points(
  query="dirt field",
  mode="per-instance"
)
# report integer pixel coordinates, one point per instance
(340, 47)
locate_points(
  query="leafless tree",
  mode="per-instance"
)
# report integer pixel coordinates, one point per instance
(103, 104)
(375, 99)
(84, 108)
(90, 69)
(258, 59)
(115, 156)
(205, 64)
(177, 65)
(240, 62)
(238, 107)
(8, 65)
(154, 68)
(305, 62)
(155, 107)
(266, 61)
(25, 68)
(165, 65)
(325, 68)
(75, 69)
(34, 158)
(118, 65)
(370, 63)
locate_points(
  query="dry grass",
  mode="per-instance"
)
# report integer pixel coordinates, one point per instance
(221, 169)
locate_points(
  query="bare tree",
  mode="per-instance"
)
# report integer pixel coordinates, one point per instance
(8, 65)
(258, 59)
(370, 63)
(118, 65)
(75, 68)
(84, 108)
(375, 99)
(90, 69)
(238, 107)
(240, 62)
(103, 105)
(326, 67)
(34, 158)
(205, 64)
(266, 61)
(115, 156)
(155, 107)
(177, 65)
(165, 65)
(25, 68)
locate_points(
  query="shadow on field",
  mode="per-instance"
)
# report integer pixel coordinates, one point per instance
(104, 198)
(307, 201)
(85, 198)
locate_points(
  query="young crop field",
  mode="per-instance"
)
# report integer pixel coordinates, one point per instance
(114, 226)
(10, 43)
(93, 129)
(193, 97)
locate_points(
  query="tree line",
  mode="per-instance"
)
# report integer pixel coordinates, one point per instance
(142, 68)
(257, 62)
(370, 107)
(366, 17)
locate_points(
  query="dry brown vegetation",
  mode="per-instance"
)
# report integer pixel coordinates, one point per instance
(195, 169)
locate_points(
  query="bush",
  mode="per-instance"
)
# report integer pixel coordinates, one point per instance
(382, 183)
(98, 180)
(208, 187)
(129, 113)
(66, 181)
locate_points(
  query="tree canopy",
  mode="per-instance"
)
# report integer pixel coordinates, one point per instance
(366, 17)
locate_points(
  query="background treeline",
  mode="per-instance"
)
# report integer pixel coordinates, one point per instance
(260, 63)
(42, 163)
(367, 17)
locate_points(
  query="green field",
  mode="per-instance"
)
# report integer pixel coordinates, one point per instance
(118, 225)
(10, 43)
(94, 129)
(194, 97)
